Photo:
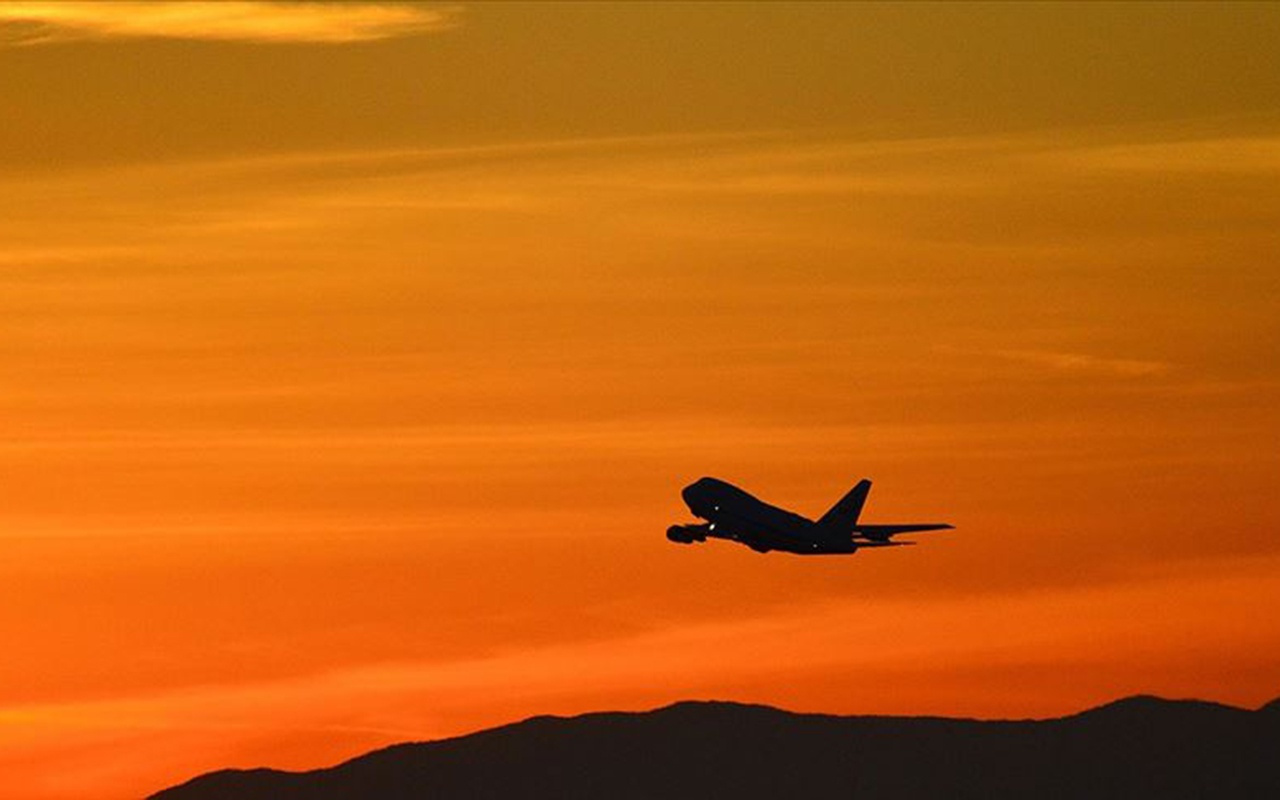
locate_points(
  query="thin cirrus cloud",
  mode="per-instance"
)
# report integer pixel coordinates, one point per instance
(262, 22)
(1083, 362)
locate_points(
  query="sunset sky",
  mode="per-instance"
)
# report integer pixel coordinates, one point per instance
(352, 358)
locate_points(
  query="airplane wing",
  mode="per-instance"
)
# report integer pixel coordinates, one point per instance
(885, 543)
(882, 533)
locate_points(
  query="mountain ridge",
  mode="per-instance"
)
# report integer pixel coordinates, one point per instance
(1131, 747)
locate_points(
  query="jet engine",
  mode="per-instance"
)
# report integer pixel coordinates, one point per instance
(687, 534)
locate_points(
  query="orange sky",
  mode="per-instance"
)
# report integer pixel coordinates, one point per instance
(353, 358)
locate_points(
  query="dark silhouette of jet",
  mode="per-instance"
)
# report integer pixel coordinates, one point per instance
(733, 514)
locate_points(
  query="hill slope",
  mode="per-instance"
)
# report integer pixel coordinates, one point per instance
(1135, 748)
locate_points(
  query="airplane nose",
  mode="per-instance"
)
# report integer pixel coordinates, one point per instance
(696, 497)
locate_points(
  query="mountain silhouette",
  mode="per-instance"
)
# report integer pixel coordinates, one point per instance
(1139, 747)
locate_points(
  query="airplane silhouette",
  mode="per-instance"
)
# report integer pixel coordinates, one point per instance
(736, 515)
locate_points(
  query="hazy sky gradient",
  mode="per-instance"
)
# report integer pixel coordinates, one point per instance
(349, 385)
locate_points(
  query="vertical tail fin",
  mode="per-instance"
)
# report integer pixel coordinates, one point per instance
(844, 514)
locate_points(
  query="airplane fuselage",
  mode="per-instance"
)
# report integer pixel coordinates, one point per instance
(736, 515)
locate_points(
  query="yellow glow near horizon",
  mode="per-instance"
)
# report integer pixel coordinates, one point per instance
(43, 23)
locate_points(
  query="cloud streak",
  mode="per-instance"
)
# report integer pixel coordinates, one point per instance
(1083, 362)
(260, 22)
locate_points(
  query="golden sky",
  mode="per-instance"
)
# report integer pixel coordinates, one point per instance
(353, 357)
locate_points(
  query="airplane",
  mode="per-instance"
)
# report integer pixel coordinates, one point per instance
(736, 515)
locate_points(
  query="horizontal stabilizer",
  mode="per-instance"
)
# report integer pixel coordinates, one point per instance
(886, 543)
(881, 533)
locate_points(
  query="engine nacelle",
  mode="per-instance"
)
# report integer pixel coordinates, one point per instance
(688, 534)
(680, 534)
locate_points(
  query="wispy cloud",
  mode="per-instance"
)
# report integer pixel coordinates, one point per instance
(1258, 154)
(1083, 362)
(265, 22)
